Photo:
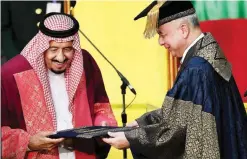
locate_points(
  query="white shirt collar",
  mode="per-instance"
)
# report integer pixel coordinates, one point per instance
(186, 51)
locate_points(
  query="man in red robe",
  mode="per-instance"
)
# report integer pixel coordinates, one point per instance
(52, 85)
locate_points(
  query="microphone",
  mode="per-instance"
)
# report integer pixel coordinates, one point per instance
(126, 82)
(124, 79)
(245, 94)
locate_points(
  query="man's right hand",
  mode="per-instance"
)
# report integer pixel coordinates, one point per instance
(132, 124)
(40, 141)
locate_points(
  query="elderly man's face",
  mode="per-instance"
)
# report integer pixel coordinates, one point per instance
(172, 38)
(59, 56)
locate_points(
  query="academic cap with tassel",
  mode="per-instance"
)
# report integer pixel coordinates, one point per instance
(161, 12)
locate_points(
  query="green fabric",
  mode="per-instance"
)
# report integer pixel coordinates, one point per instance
(215, 10)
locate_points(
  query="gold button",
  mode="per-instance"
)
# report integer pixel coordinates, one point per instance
(38, 24)
(38, 11)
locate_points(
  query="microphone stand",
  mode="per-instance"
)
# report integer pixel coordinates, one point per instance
(125, 83)
(124, 115)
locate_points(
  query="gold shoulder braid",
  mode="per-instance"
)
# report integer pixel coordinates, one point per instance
(152, 20)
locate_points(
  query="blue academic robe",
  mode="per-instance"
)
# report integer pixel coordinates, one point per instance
(203, 115)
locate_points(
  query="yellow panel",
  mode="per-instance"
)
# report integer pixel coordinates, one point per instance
(110, 26)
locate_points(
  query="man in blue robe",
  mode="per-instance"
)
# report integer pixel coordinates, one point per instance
(203, 115)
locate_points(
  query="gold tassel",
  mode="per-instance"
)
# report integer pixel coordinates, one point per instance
(152, 20)
(72, 11)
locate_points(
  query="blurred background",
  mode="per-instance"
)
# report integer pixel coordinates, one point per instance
(147, 66)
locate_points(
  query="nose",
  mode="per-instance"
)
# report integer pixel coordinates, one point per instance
(60, 56)
(161, 41)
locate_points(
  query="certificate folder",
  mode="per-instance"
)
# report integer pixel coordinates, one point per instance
(88, 132)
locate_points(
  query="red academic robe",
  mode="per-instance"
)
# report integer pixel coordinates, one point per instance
(20, 85)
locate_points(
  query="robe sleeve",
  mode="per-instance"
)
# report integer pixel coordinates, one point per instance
(102, 108)
(184, 130)
(149, 118)
(99, 103)
(14, 141)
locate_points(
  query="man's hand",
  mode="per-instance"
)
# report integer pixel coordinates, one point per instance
(132, 124)
(40, 141)
(117, 140)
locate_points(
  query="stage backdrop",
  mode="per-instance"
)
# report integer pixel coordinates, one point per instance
(110, 26)
(227, 21)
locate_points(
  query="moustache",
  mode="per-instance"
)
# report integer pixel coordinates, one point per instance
(59, 61)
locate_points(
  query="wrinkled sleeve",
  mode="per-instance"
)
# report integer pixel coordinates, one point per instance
(102, 107)
(183, 130)
(149, 118)
(14, 141)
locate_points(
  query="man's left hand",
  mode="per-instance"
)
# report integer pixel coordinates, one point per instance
(117, 140)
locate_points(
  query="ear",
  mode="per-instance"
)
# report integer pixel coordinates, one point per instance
(185, 30)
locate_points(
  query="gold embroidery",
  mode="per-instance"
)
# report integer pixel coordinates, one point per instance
(40, 104)
(43, 121)
(36, 88)
(183, 124)
(33, 103)
(32, 97)
(209, 49)
(105, 109)
(30, 123)
(152, 117)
